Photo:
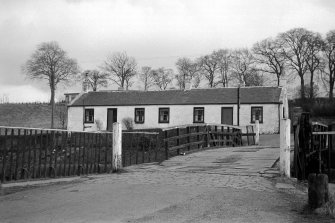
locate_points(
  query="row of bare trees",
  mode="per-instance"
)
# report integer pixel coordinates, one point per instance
(298, 53)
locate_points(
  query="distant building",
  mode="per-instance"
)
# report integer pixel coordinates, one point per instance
(161, 109)
(69, 97)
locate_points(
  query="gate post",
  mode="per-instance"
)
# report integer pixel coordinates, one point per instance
(285, 153)
(117, 147)
(257, 132)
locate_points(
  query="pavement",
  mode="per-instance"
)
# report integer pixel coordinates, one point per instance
(238, 184)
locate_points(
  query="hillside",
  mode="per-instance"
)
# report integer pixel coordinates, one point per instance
(31, 115)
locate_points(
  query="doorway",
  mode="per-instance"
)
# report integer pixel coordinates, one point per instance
(227, 115)
(111, 118)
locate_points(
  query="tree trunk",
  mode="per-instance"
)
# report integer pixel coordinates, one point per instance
(331, 89)
(302, 87)
(52, 102)
(311, 87)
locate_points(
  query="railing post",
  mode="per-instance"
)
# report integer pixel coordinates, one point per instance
(188, 131)
(257, 132)
(178, 140)
(285, 125)
(117, 147)
(166, 144)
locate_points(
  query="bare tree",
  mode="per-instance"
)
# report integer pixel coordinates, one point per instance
(295, 51)
(4, 98)
(328, 76)
(269, 57)
(121, 69)
(162, 77)
(209, 66)
(145, 77)
(315, 44)
(50, 62)
(187, 70)
(223, 57)
(96, 78)
(243, 70)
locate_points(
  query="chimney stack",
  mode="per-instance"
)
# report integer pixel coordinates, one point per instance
(86, 85)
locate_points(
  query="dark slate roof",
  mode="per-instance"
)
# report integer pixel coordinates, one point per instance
(249, 95)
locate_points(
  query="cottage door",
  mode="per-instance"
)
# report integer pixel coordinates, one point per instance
(111, 118)
(227, 115)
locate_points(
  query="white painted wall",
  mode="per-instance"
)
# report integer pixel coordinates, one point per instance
(75, 118)
(270, 123)
(179, 115)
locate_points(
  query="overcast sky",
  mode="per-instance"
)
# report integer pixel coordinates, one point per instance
(155, 32)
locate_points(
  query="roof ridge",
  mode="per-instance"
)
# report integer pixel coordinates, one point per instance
(180, 90)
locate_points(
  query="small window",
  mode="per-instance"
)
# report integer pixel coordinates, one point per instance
(89, 116)
(139, 115)
(198, 115)
(256, 114)
(164, 115)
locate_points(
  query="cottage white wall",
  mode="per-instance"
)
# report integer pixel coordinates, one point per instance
(270, 123)
(179, 115)
(75, 118)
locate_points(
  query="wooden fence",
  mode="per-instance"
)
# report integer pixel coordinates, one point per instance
(313, 148)
(178, 140)
(27, 153)
(37, 153)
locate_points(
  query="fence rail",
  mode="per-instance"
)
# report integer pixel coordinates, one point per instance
(180, 139)
(38, 153)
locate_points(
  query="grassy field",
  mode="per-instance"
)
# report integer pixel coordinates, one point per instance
(31, 115)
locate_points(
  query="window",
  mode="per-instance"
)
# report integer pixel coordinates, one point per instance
(198, 115)
(164, 115)
(256, 114)
(139, 115)
(89, 116)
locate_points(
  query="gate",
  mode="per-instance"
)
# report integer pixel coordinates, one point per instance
(313, 148)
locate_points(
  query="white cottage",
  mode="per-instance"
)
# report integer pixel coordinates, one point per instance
(93, 111)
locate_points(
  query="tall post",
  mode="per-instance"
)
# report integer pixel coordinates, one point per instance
(257, 132)
(117, 147)
(238, 105)
(285, 125)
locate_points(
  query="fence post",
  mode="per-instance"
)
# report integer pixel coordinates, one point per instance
(285, 131)
(117, 147)
(257, 132)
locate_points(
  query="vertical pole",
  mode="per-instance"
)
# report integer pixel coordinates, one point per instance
(35, 155)
(166, 145)
(330, 147)
(257, 132)
(238, 105)
(285, 147)
(29, 152)
(64, 151)
(198, 136)
(188, 137)
(11, 154)
(117, 147)
(4, 157)
(177, 141)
